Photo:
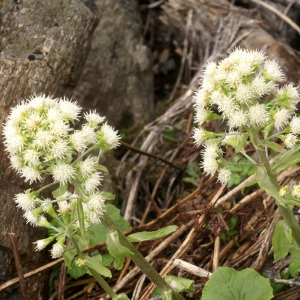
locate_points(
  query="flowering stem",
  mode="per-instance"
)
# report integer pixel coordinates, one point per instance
(286, 212)
(80, 216)
(138, 259)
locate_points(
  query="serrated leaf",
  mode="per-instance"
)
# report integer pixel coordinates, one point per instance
(282, 240)
(151, 235)
(229, 284)
(118, 251)
(179, 284)
(95, 263)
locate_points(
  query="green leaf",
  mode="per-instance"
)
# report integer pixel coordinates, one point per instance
(265, 183)
(95, 263)
(229, 284)
(121, 297)
(282, 240)
(108, 196)
(118, 251)
(100, 231)
(276, 147)
(151, 235)
(69, 253)
(179, 284)
(60, 191)
(75, 271)
(102, 168)
(294, 266)
(167, 295)
(286, 160)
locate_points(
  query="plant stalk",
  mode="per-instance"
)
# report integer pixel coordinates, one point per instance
(139, 260)
(286, 212)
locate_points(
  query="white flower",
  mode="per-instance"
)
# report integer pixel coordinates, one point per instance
(92, 182)
(288, 96)
(89, 134)
(237, 119)
(16, 162)
(199, 136)
(69, 110)
(201, 115)
(25, 201)
(63, 206)
(57, 251)
(210, 165)
(18, 112)
(33, 121)
(59, 128)
(295, 125)
(93, 118)
(290, 140)
(224, 176)
(260, 87)
(78, 140)
(63, 173)
(14, 143)
(296, 191)
(258, 115)
(53, 115)
(38, 102)
(272, 72)
(281, 118)
(31, 218)
(30, 173)
(244, 93)
(41, 244)
(110, 136)
(43, 139)
(87, 166)
(31, 157)
(59, 149)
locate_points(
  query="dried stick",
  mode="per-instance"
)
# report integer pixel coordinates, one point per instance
(278, 13)
(22, 283)
(184, 246)
(190, 268)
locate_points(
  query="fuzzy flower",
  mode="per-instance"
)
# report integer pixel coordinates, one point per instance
(296, 191)
(224, 176)
(41, 244)
(93, 118)
(30, 174)
(63, 173)
(109, 135)
(281, 118)
(200, 135)
(31, 217)
(258, 115)
(63, 206)
(59, 149)
(25, 201)
(290, 140)
(283, 191)
(69, 110)
(87, 166)
(57, 250)
(92, 182)
(272, 72)
(295, 125)
(31, 157)
(237, 119)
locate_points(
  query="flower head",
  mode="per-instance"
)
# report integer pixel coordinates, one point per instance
(224, 176)
(63, 173)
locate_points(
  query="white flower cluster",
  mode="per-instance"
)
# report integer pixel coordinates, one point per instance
(242, 90)
(40, 140)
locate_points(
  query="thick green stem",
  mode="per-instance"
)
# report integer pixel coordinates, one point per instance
(138, 259)
(102, 283)
(286, 212)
